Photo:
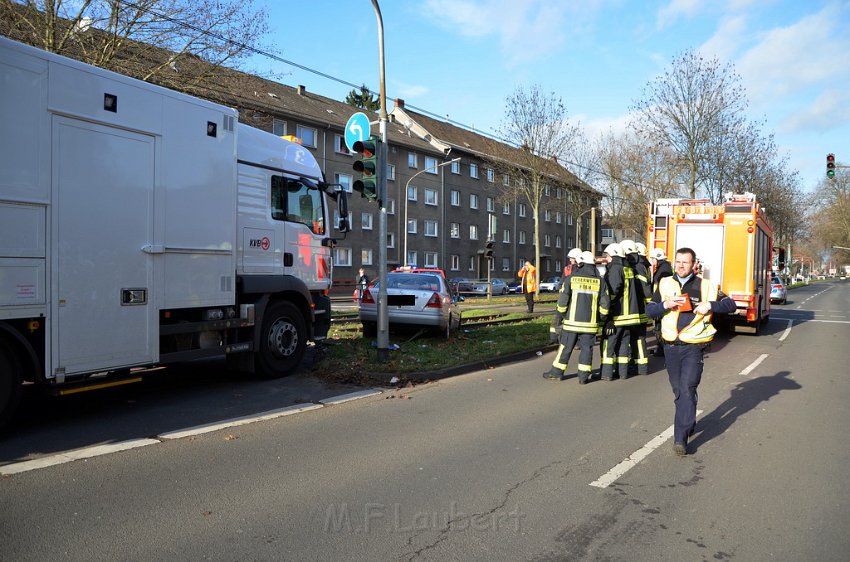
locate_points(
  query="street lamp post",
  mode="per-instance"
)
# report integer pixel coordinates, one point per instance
(406, 185)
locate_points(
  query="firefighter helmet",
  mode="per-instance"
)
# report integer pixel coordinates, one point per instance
(641, 249)
(658, 254)
(628, 246)
(586, 257)
(615, 250)
(574, 253)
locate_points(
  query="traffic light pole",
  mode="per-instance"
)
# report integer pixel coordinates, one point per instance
(383, 313)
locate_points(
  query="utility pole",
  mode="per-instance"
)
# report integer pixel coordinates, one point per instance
(383, 313)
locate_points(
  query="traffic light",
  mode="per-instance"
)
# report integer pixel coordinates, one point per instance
(368, 166)
(488, 249)
(830, 165)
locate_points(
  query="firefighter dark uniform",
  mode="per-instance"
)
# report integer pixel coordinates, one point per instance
(636, 333)
(582, 307)
(626, 309)
(685, 336)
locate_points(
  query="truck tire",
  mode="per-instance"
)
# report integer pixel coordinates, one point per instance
(10, 384)
(283, 339)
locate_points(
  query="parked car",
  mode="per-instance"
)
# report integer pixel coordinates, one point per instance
(415, 298)
(777, 290)
(514, 286)
(461, 285)
(550, 285)
(480, 287)
(500, 286)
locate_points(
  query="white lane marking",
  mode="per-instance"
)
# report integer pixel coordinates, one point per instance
(814, 320)
(234, 422)
(99, 450)
(754, 364)
(612, 475)
(69, 456)
(787, 331)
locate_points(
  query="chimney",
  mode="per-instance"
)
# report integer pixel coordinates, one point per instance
(399, 103)
(301, 90)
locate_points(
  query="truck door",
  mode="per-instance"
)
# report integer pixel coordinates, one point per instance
(102, 180)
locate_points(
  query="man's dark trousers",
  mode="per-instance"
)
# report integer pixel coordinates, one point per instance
(684, 367)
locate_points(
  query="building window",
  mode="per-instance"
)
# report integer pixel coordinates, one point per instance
(547, 240)
(411, 226)
(455, 230)
(366, 221)
(547, 214)
(473, 232)
(390, 206)
(391, 240)
(558, 217)
(431, 228)
(339, 145)
(506, 209)
(506, 236)
(456, 167)
(412, 160)
(345, 181)
(430, 165)
(522, 237)
(342, 257)
(455, 198)
(522, 209)
(411, 258)
(491, 175)
(307, 136)
(473, 200)
(558, 265)
(365, 257)
(411, 193)
(471, 263)
(390, 172)
(430, 259)
(430, 196)
(546, 191)
(506, 180)
(569, 220)
(558, 192)
(558, 241)
(473, 170)
(607, 233)
(278, 127)
(491, 205)
(455, 262)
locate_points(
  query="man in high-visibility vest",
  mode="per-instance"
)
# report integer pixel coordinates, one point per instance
(528, 281)
(685, 304)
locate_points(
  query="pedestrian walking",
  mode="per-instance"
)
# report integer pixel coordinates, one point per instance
(686, 303)
(582, 307)
(362, 281)
(625, 312)
(528, 282)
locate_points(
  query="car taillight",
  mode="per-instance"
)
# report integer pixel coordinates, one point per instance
(367, 297)
(434, 302)
(776, 287)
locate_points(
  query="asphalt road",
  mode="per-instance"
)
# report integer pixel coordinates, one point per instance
(492, 465)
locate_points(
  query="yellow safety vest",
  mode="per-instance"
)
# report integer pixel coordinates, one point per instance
(700, 329)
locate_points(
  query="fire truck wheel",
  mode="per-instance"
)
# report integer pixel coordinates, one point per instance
(10, 384)
(283, 340)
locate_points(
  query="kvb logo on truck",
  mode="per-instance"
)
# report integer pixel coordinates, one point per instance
(260, 243)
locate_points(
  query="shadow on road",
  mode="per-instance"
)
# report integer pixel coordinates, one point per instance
(744, 397)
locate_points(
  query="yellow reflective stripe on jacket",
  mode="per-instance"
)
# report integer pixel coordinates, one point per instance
(700, 329)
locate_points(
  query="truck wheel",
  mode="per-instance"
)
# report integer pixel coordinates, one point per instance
(283, 340)
(10, 385)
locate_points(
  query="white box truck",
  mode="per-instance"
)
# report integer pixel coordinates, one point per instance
(140, 226)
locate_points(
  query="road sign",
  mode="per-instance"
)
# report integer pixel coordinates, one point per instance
(356, 129)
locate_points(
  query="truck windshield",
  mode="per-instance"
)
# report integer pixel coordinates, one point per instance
(293, 201)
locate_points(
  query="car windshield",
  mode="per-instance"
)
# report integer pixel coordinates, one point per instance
(413, 281)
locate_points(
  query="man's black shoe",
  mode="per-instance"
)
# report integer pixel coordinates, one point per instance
(582, 381)
(549, 375)
(681, 449)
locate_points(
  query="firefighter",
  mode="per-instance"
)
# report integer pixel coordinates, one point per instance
(636, 333)
(582, 307)
(662, 269)
(685, 304)
(624, 312)
(555, 327)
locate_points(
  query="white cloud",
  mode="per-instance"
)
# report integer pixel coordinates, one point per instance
(410, 91)
(727, 40)
(668, 15)
(602, 126)
(830, 110)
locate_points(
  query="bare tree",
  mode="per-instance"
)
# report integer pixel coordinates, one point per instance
(537, 123)
(688, 110)
(832, 215)
(155, 40)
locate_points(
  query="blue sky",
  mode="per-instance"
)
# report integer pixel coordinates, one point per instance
(463, 58)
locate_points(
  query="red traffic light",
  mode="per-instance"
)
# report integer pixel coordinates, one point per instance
(830, 165)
